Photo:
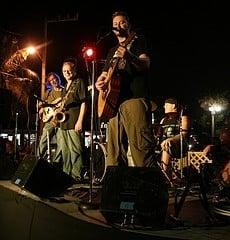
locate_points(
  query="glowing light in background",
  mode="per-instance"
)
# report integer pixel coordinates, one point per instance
(89, 53)
(31, 50)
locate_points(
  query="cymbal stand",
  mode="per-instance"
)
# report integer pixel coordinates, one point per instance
(189, 176)
(202, 193)
(36, 128)
(181, 144)
(15, 137)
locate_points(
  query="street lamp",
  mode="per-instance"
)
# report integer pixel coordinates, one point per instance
(34, 50)
(215, 108)
(31, 50)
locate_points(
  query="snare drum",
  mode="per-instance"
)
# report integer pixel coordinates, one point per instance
(99, 161)
(98, 137)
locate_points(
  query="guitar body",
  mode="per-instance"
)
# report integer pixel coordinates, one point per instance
(48, 112)
(108, 99)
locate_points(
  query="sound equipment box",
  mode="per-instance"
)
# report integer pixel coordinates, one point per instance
(41, 178)
(137, 195)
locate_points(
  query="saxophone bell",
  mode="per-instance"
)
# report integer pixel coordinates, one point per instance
(59, 117)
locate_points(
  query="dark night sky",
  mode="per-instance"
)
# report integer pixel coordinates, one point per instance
(189, 42)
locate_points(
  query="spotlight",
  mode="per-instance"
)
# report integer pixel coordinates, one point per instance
(89, 53)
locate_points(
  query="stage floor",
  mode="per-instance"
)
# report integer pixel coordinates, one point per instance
(23, 215)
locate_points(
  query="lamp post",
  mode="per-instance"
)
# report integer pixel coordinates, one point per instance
(43, 80)
(215, 108)
(34, 50)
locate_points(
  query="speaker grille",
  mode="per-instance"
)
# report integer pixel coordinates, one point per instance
(135, 191)
(41, 178)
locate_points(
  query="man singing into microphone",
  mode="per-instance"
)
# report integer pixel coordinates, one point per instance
(130, 126)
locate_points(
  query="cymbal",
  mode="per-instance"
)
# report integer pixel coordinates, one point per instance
(7, 74)
(154, 106)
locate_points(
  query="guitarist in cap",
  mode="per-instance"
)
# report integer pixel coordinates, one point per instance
(123, 97)
(52, 95)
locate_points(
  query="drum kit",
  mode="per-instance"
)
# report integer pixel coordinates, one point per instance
(99, 163)
(195, 176)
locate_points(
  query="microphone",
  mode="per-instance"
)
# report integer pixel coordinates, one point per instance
(100, 39)
(115, 29)
(39, 99)
(122, 31)
(183, 109)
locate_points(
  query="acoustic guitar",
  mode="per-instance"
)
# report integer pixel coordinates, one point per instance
(108, 98)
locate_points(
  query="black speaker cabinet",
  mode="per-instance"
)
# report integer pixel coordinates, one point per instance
(134, 195)
(41, 178)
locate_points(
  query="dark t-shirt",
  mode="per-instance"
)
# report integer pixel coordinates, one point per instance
(134, 84)
(171, 123)
(52, 95)
(77, 95)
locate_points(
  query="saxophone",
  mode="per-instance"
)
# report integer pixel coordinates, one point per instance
(59, 115)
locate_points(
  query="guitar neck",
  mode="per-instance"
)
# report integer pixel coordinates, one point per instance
(112, 69)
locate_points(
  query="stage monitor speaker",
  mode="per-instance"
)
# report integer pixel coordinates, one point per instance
(7, 167)
(134, 195)
(41, 178)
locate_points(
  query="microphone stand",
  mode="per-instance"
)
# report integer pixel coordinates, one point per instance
(181, 144)
(91, 134)
(90, 204)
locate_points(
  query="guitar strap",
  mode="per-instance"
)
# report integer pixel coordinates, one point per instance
(122, 61)
(67, 93)
(48, 95)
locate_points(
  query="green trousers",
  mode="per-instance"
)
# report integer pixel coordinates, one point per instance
(131, 127)
(48, 131)
(70, 152)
